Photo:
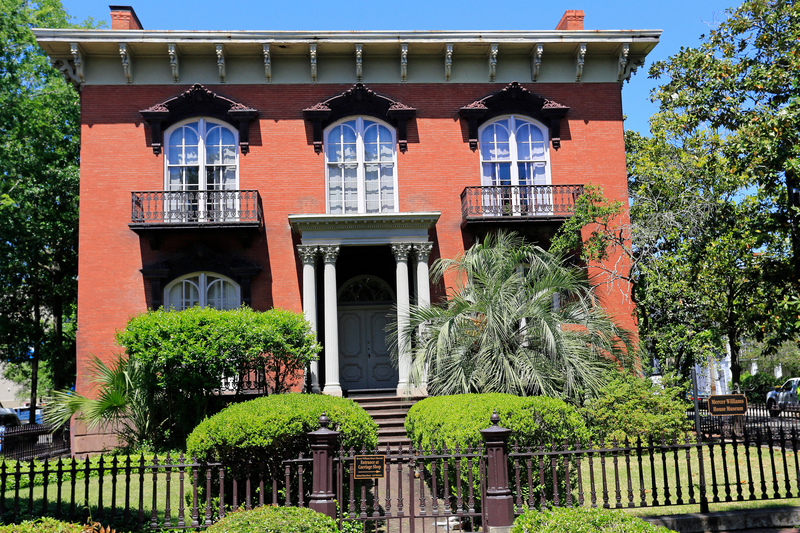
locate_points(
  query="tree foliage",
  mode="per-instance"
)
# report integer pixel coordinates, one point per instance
(188, 354)
(519, 321)
(39, 151)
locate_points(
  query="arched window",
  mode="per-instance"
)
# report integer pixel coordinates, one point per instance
(361, 174)
(201, 164)
(515, 165)
(205, 289)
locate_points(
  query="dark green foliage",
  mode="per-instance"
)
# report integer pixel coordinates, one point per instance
(186, 354)
(275, 428)
(43, 525)
(632, 407)
(755, 387)
(441, 421)
(449, 421)
(582, 520)
(275, 520)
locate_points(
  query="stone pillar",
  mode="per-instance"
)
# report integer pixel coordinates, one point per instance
(423, 252)
(309, 256)
(401, 252)
(332, 387)
(499, 502)
(323, 445)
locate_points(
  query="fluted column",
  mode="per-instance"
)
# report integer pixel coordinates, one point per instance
(332, 387)
(423, 252)
(401, 252)
(309, 256)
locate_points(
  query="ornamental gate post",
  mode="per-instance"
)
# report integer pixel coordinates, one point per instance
(323, 444)
(499, 502)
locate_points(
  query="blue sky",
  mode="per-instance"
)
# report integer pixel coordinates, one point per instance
(682, 21)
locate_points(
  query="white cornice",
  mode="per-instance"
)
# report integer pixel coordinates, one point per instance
(364, 229)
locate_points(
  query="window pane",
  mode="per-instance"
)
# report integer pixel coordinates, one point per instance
(530, 142)
(221, 294)
(371, 188)
(184, 294)
(497, 173)
(350, 173)
(495, 142)
(387, 188)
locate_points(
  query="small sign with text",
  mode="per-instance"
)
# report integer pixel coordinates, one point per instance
(370, 466)
(727, 404)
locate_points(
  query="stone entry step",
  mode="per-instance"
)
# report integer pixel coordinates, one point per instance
(389, 412)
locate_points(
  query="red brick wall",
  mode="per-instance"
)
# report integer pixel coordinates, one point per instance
(116, 159)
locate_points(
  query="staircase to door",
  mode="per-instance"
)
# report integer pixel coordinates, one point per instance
(389, 412)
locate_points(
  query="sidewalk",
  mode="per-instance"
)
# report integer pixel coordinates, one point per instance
(772, 520)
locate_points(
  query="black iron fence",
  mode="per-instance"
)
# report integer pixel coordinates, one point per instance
(758, 419)
(212, 207)
(556, 201)
(34, 441)
(421, 490)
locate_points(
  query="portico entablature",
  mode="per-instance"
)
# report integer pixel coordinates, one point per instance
(364, 229)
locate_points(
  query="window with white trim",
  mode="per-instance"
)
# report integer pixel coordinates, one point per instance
(204, 289)
(201, 163)
(361, 167)
(515, 163)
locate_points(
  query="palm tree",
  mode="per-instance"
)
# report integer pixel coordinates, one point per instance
(123, 403)
(520, 321)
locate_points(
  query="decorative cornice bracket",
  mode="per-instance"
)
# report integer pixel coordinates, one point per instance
(493, 50)
(198, 101)
(580, 59)
(221, 61)
(174, 62)
(448, 61)
(77, 62)
(312, 54)
(127, 60)
(359, 100)
(623, 61)
(404, 62)
(536, 61)
(267, 62)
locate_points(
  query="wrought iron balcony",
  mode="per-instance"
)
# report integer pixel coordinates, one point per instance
(510, 203)
(194, 209)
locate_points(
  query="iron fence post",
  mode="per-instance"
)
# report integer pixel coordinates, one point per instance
(698, 428)
(323, 443)
(499, 503)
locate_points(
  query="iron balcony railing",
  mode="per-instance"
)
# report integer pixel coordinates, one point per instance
(524, 201)
(196, 208)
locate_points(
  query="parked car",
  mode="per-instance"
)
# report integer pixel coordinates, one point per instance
(783, 397)
(24, 414)
(9, 418)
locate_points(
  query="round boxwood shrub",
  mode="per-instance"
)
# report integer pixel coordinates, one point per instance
(581, 520)
(449, 421)
(43, 525)
(274, 428)
(441, 421)
(275, 520)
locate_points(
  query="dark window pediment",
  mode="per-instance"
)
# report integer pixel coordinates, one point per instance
(514, 99)
(198, 101)
(359, 100)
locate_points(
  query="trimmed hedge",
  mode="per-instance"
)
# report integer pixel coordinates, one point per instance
(44, 525)
(275, 520)
(274, 428)
(449, 421)
(441, 421)
(582, 520)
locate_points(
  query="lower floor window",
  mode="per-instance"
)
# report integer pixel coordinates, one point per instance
(205, 289)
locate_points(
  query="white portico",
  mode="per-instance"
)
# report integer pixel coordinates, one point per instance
(323, 238)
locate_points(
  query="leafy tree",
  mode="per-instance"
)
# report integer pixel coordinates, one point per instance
(39, 151)
(519, 321)
(743, 84)
(188, 353)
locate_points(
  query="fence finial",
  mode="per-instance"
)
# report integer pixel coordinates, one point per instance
(324, 421)
(495, 418)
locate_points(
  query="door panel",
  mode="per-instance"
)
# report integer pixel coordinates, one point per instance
(365, 360)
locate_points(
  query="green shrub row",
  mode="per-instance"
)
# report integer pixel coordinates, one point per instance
(275, 520)
(582, 520)
(44, 525)
(274, 428)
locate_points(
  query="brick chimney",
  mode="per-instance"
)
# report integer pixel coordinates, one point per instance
(572, 20)
(124, 18)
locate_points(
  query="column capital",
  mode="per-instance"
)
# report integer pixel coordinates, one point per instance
(330, 252)
(308, 253)
(423, 250)
(401, 251)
